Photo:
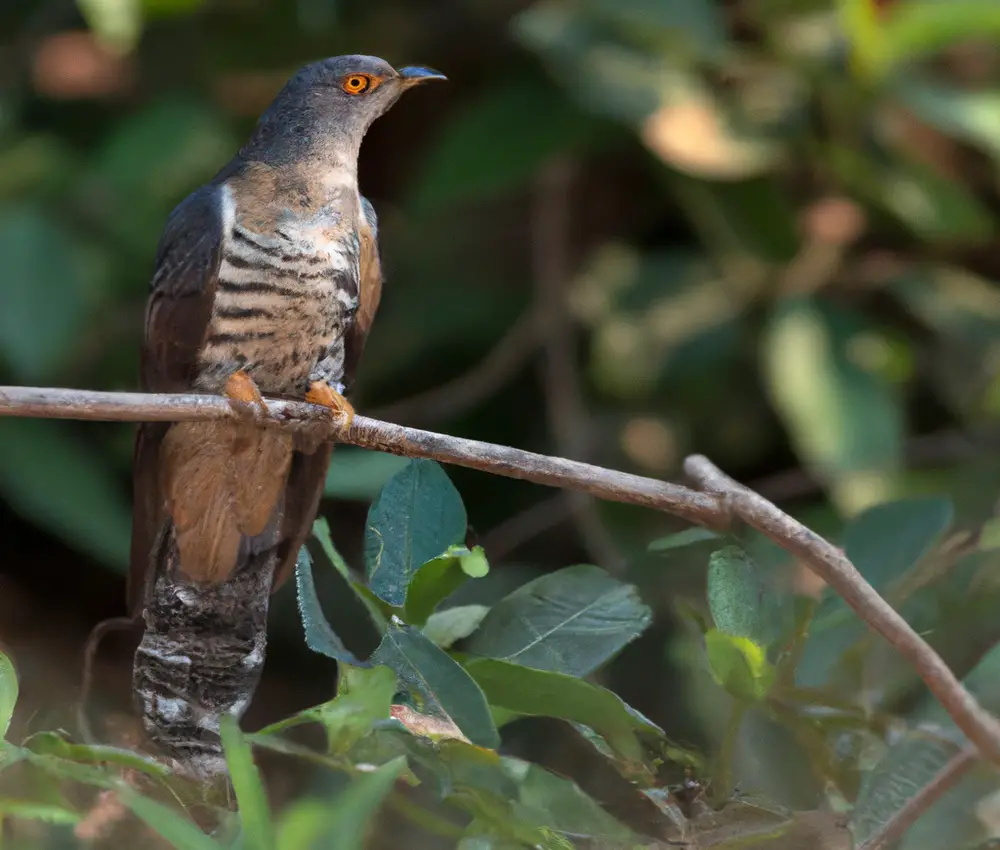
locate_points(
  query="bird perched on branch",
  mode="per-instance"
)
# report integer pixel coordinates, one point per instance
(266, 283)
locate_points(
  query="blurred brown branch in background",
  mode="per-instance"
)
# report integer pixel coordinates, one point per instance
(717, 501)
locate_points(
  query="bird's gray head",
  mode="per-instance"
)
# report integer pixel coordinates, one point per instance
(325, 110)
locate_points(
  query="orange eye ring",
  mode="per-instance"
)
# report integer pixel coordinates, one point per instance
(356, 83)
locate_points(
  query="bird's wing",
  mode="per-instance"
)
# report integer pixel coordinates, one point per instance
(177, 314)
(308, 472)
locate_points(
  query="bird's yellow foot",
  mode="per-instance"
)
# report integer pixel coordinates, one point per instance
(241, 390)
(322, 393)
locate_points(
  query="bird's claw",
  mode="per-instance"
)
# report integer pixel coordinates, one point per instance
(244, 396)
(323, 394)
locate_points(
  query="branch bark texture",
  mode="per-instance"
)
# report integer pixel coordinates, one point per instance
(716, 503)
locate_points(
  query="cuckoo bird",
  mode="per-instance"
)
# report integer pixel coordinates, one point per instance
(266, 282)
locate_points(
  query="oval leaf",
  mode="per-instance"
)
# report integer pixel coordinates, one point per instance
(570, 621)
(740, 598)
(438, 683)
(739, 665)
(320, 636)
(8, 693)
(416, 517)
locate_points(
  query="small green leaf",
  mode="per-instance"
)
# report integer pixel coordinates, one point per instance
(542, 693)
(741, 600)
(255, 811)
(416, 517)
(739, 665)
(320, 636)
(169, 823)
(8, 693)
(436, 580)
(438, 683)
(453, 624)
(688, 537)
(48, 477)
(570, 621)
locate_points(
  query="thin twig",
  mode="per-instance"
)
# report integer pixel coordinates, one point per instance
(720, 500)
(945, 779)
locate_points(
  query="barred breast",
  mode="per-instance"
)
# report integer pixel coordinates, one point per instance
(283, 302)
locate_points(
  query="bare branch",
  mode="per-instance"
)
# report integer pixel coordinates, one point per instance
(373, 434)
(830, 564)
(720, 500)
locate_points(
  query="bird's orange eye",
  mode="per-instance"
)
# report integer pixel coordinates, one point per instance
(356, 83)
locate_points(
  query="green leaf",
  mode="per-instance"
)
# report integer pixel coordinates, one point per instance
(416, 517)
(48, 477)
(436, 580)
(741, 599)
(313, 824)
(570, 621)
(116, 23)
(255, 811)
(973, 116)
(453, 624)
(688, 537)
(694, 23)
(739, 665)
(38, 811)
(360, 474)
(320, 636)
(843, 419)
(52, 743)
(542, 693)
(8, 693)
(377, 610)
(477, 158)
(44, 292)
(552, 802)
(170, 824)
(364, 696)
(887, 540)
(438, 683)
(916, 759)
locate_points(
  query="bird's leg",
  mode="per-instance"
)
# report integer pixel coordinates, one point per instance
(244, 395)
(320, 392)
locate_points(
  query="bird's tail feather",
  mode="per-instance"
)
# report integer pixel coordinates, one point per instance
(203, 649)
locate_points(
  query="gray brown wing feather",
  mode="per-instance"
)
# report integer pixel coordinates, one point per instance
(177, 314)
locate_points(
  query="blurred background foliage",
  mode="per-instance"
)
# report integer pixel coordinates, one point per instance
(625, 231)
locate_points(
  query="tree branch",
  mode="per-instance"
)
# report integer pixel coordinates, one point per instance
(719, 500)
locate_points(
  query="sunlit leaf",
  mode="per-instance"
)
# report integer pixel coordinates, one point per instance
(255, 811)
(454, 624)
(8, 693)
(739, 665)
(416, 517)
(570, 621)
(436, 580)
(438, 683)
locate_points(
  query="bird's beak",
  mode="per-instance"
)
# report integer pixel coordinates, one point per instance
(413, 75)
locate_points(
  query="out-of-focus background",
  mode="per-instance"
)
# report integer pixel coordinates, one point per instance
(624, 231)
